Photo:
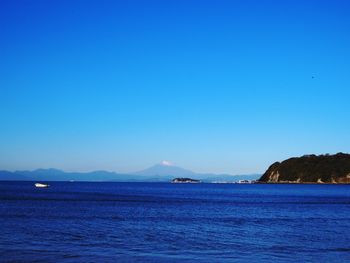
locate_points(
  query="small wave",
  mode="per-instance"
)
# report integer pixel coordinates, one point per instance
(340, 249)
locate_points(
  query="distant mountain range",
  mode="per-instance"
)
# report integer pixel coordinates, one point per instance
(162, 172)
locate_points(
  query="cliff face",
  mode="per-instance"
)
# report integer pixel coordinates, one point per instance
(310, 169)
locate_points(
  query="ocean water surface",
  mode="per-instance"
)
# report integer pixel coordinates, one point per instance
(163, 222)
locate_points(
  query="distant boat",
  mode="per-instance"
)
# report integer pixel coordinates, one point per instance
(39, 185)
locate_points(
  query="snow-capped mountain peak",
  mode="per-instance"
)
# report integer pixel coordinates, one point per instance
(166, 163)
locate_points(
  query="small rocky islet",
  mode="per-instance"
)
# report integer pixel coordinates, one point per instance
(185, 180)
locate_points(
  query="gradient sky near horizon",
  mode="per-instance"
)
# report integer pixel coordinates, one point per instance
(213, 86)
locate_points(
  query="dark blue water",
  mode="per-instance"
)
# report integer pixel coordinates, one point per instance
(157, 222)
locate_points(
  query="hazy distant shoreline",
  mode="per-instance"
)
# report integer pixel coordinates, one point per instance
(149, 175)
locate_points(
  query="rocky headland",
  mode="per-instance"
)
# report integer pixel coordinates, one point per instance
(310, 169)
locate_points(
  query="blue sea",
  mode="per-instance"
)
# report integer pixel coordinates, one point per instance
(164, 222)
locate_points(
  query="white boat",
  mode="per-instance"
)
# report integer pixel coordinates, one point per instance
(39, 185)
(244, 181)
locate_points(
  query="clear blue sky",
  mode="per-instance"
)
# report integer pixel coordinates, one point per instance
(213, 86)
